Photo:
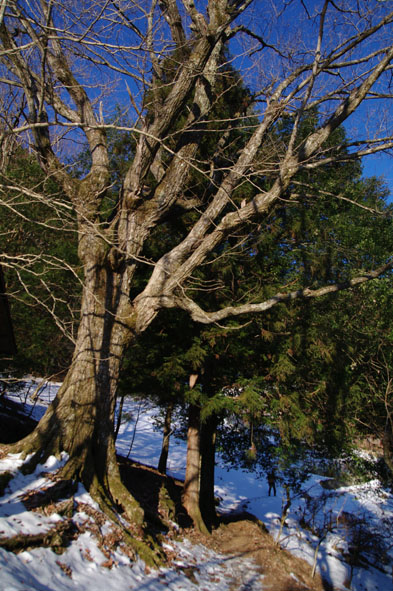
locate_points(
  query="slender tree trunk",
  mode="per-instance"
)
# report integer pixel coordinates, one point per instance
(7, 340)
(190, 496)
(162, 463)
(208, 454)
(119, 416)
(388, 446)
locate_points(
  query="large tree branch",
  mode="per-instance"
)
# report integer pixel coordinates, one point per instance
(205, 317)
(198, 22)
(189, 72)
(172, 16)
(176, 266)
(38, 87)
(346, 108)
(171, 185)
(37, 116)
(147, 149)
(87, 119)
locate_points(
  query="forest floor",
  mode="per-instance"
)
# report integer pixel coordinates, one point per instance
(281, 570)
(238, 536)
(346, 530)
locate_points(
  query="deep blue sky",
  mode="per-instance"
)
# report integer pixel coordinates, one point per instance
(380, 165)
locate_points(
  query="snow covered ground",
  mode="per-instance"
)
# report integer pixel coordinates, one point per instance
(322, 523)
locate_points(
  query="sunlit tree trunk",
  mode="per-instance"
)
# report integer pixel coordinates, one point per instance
(119, 417)
(191, 496)
(80, 420)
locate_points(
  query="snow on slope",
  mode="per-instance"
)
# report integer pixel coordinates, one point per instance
(83, 566)
(370, 506)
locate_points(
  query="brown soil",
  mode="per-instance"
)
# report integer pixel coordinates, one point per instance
(242, 535)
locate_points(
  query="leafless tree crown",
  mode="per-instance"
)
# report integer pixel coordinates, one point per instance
(73, 70)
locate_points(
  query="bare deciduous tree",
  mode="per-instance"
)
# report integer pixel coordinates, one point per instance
(68, 62)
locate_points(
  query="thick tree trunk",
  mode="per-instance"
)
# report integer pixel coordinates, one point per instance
(80, 420)
(191, 496)
(208, 456)
(162, 463)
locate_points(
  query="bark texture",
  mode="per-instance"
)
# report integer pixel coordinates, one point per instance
(80, 420)
(191, 496)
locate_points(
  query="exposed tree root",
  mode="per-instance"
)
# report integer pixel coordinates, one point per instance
(57, 538)
(107, 489)
(48, 496)
(37, 445)
(143, 544)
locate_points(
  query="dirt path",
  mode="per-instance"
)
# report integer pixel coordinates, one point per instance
(238, 535)
(246, 538)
